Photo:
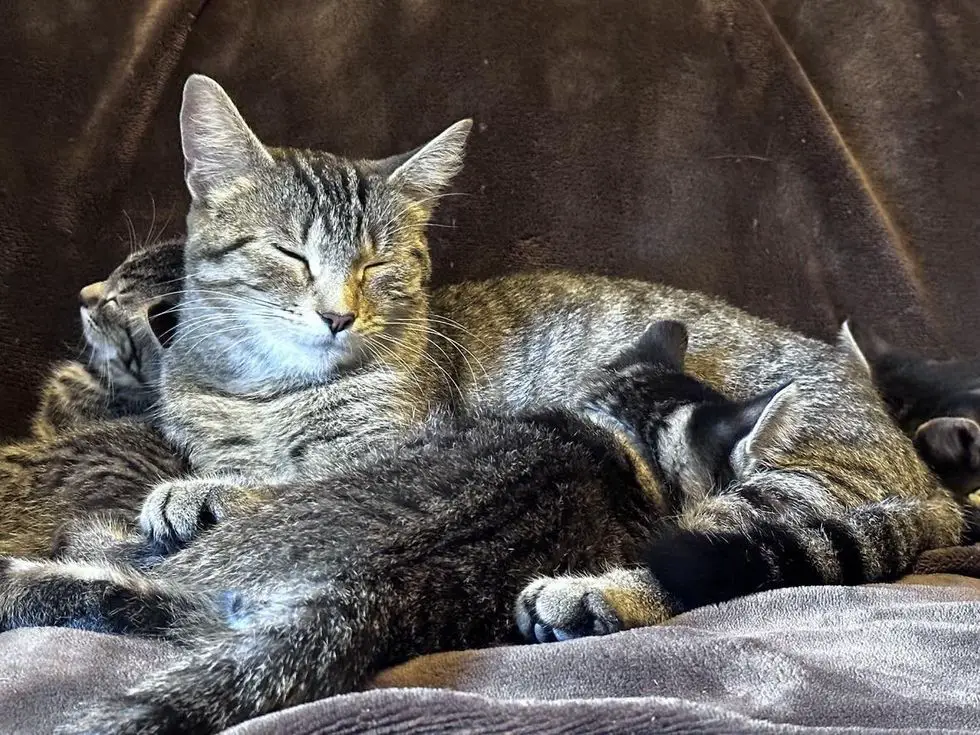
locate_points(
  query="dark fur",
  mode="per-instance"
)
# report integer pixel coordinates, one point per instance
(340, 573)
(937, 404)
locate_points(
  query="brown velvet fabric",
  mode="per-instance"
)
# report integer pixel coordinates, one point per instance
(804, 159)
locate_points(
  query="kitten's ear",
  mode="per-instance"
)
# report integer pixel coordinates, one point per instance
(664, 342)
(866, 347)
(219, 148)
(951, 446)
(766, 419)
(426, 171)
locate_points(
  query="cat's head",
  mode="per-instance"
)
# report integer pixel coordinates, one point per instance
(304, 260)
(128, 318)
(694, 437)
(936, 403)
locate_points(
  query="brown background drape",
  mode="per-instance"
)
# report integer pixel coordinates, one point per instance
(806, 160)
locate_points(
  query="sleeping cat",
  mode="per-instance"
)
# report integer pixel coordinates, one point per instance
(937, 403)
(414, 548)
(94, 449)
(306, 332)
(118, 320)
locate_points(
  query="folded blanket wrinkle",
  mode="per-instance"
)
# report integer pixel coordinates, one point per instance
(898, 658)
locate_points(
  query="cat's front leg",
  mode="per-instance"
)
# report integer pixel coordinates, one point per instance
(569, 606)
(177, 511)
(109, 599)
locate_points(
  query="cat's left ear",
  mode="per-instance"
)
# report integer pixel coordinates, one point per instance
(766, 420)
(423, 173)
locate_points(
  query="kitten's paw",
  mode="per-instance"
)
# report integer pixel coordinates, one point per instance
(561, 608)
(175, 512)
(70, 395)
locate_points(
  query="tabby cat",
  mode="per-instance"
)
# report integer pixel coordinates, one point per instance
(937, 403)
(307, 596)
(94, 450)
(119, 316)
(306, 331)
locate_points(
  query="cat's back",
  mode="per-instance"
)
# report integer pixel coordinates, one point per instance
(530, 337)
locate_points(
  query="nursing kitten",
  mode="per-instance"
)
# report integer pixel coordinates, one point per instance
(414, 548)
(306, 285)
(118, 316)
(94, 450)
(936, 403)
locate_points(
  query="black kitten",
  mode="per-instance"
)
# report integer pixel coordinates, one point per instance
(937, 403)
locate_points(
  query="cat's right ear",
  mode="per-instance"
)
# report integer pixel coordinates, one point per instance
(162, 318)
(219, 148)
(951, 446)
(768, 419)
(423, 173)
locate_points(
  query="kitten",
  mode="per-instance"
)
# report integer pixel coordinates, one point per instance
(119, 316)
(94, 449)
(308, 596)
(936, 403)
(708, 455)
(306, 280)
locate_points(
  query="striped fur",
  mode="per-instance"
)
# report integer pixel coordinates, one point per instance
(467, 506)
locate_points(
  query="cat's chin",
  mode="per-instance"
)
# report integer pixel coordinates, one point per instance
(309, 355)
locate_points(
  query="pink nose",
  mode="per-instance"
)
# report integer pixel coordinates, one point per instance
(337, 322)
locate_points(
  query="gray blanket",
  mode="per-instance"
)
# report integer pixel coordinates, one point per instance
(890, 657)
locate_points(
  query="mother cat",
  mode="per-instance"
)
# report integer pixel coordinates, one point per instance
(307, 331)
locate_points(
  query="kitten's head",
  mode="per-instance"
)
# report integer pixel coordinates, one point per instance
(127, 318)
(303, 259)
(695, 437)
(937, 403)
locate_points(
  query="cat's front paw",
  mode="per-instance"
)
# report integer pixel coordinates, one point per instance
(176, 512)
(560, 608)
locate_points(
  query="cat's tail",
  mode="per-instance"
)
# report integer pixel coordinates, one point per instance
(262, 658)
(742, 550)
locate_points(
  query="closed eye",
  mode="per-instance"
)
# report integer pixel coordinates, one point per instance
(377, 264)
(291, 254)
